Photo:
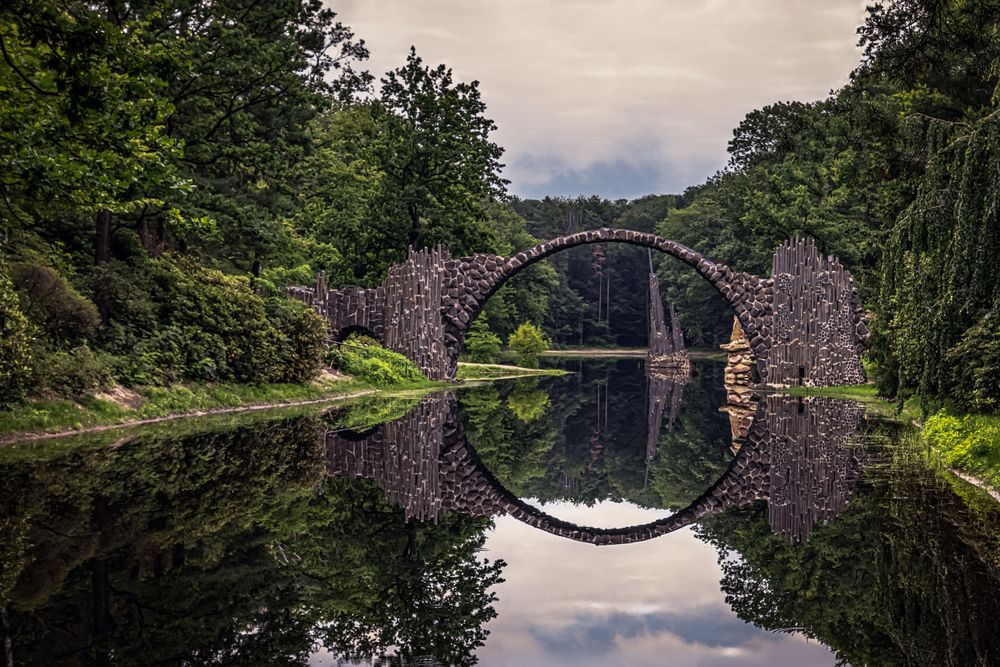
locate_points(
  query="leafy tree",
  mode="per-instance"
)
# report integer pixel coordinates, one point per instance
(528, 342)
(438, 156)
(481, 343)
(83, 121)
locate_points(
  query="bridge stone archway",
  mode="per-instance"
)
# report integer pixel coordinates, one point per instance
(805, 322)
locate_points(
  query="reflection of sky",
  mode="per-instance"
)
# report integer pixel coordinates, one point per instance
(650, 603)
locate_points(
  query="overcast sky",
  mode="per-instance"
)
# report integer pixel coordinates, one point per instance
(618, 97)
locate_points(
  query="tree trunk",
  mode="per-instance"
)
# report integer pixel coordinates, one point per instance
(102, 239)
(415, 231)
(152, 236)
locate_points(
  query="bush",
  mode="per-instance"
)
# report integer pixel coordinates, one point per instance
(366, 360)
(50, 302)
(482, 344)
(528, 342)
(74, 373)
(16, 337)
(303, 339)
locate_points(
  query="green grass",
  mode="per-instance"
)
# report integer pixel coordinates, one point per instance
(970, 443)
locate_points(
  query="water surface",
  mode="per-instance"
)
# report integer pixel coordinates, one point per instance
(535, 522)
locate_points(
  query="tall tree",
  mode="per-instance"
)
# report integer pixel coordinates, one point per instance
(437, 152)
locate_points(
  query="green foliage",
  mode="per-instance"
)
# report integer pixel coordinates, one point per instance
(59, 311)
(528, 342)
(16, 334)
(970, 442)
(938, 283)
(975, 366)
(527, 402)
(302, 339)
(481, 344)
(74, 373)
(366, 360)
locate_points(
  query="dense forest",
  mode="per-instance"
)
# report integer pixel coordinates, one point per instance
(168, 166)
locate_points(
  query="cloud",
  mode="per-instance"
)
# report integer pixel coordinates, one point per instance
(582, 87)
(565, 603)
(592, 633)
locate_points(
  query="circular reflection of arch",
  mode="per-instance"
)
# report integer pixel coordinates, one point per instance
(795, 456)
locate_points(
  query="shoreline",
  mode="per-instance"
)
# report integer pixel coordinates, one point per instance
(975, 481)
(328, 395)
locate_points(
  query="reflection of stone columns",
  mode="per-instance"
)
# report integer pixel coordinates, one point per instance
(402, 456)
(813, 469)
(665, 394)
(741, 403)
(795, 455)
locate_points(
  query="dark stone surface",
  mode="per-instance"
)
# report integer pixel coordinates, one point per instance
(816, 320)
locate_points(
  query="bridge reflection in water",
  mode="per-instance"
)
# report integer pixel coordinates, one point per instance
(796, 456)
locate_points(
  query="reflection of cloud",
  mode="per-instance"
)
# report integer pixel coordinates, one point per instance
(599, 634)
(654, 85)
(565, 603)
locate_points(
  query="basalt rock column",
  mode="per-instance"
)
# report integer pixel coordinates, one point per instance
(819, 326)
(667, 353)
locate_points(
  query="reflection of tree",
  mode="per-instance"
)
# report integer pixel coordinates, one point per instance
(511, 448)
(228, 548)
(905, 575)
(527, 401)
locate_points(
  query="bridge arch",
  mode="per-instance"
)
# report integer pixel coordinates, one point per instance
(805, 322)
(471, 281)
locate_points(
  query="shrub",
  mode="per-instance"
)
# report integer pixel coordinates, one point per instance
(50, 302)
(366, 360)
(15, 345)
(528, 342)
(72, 373)
(123, 292)
(482, 344)
(302, 342)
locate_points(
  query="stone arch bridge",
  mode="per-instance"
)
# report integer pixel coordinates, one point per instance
(805, 321)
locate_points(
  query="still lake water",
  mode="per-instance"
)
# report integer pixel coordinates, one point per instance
(521, 523)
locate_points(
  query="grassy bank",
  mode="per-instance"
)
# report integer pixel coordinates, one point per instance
(969, 443)
(141, 405)
(474, 371)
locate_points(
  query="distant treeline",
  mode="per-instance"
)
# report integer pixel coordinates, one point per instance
(168, 165)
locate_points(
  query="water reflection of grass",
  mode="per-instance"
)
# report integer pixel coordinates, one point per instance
(908, 410)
